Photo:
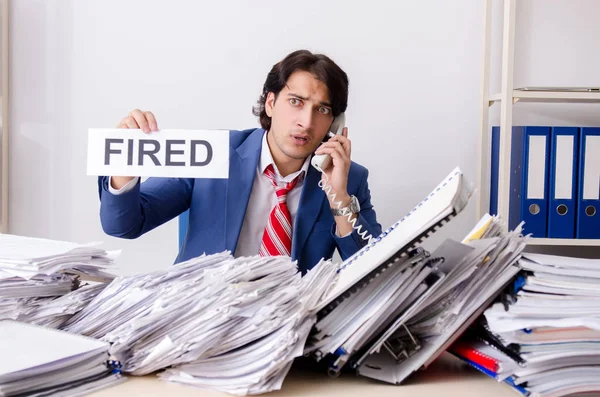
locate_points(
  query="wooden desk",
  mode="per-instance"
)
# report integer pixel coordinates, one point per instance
(448, 376)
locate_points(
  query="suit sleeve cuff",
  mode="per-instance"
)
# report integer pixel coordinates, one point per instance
(351, 242)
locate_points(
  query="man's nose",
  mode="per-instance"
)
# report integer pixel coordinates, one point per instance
(305, 118)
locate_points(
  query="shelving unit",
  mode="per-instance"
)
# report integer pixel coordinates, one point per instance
(507, 98)
(4, 116)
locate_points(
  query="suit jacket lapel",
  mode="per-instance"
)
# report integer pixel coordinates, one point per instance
(311, 200)
(243, 161)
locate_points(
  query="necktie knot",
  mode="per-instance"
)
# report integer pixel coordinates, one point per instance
(280, 191)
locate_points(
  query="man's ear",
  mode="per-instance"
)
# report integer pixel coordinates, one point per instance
(269, 103)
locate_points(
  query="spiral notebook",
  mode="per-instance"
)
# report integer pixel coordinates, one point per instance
(442, 204)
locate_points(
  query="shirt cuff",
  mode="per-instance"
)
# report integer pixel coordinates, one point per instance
(336, 230)
(125, 188)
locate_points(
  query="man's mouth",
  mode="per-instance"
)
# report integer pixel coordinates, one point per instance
(301, 139)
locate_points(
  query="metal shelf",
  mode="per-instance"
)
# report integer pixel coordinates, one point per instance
(564, 242)
(549, 96)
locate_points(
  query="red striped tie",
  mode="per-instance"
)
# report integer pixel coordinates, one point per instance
(277, 237)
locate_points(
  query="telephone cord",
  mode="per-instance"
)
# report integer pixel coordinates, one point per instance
(324, 185)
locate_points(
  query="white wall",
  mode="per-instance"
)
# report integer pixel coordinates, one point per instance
(413, 113)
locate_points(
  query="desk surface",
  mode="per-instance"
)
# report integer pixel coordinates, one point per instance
(446, 377)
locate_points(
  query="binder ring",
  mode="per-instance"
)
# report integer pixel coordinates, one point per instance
(590, 210)
(562, 209)
(534, 209)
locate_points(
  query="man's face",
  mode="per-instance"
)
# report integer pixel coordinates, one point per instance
(300, 117)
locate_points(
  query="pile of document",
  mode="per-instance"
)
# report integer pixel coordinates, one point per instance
(54, 311)
(46, 281)
(474, 278)
(543, 336)
(41, 361)
(403, 318)
(232, 324)
(395, 307)
(344, 330)
(384, 280)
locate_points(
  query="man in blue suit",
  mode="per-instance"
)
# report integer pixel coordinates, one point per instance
(302, 95)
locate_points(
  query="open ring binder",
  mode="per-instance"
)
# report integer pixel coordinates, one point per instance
(401, 349)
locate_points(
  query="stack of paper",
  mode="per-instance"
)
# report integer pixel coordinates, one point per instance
(546, 328)
(55, 311)
(394, 307)
(475, 271)
(479, 276)
(39, 361)
(383, 284)
(233, 324)
(39, 278)
(343, 331)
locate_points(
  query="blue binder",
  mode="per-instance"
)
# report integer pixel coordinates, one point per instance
(529, 179)
(562, 209)
(495, 156)
(588, 207)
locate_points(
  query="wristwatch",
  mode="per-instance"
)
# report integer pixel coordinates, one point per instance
(352, 208)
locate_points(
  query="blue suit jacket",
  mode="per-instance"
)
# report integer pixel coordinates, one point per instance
(217, 208)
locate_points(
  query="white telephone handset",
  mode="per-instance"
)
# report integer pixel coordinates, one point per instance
(322, 161)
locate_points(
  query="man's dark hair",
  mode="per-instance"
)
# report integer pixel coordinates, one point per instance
(320, 66)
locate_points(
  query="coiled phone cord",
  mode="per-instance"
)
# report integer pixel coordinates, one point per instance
(324, 184)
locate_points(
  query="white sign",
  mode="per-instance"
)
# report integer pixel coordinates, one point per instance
(164, 153)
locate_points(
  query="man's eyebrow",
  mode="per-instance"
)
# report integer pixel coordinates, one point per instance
(297, 96)
(322, 103)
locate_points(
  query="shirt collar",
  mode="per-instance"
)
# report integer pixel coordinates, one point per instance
(266, 158)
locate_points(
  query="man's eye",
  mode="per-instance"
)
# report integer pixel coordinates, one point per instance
(324, 110)
(294, 101)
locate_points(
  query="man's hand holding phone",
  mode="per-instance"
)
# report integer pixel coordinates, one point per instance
(339, 148)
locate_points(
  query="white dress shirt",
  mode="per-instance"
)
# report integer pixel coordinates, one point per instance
(262, 200)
